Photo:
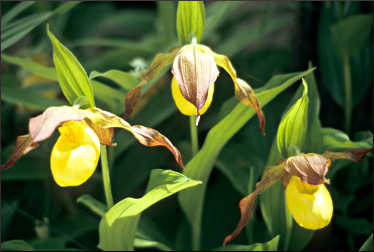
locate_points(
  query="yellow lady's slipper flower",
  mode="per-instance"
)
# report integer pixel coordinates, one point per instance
(75, 155)
(307, 198)
(186, 107)
(310, 205)
(195, 70)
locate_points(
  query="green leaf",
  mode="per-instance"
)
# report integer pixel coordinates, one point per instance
(201, 165)
(351, 34)
(336, 140)
(93, 204)
(16, 245)
(32, 66)
(368, 244)
(71, 75)
(28, 98)
(139, 47)
(145, 243)
(14, 12)
(331, 65)
(216, 13)
(103, 92)
(313, 141)
(166, 16)
(53, 243)
(117, 228)
(65, 7)
(232, 45)
(125, 80)
(190, 21)
(293, 126)
(149, 235)
(15, 31)
(271, 245)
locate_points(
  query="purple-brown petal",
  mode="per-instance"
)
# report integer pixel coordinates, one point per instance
(195, 70)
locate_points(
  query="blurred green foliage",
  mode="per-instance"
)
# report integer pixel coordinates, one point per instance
(115, 42)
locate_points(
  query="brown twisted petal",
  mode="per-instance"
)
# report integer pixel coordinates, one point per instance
(102, 122)
(195, 70)
(160, 61)
(24, 144)
(355, 154)
(243, 91)
(310, 168)
(247, 204)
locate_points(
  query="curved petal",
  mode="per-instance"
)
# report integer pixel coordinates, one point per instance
(160, 61)
(310, 205)
(243, 91)
(186, 107)
(75, 155)
(101, 123)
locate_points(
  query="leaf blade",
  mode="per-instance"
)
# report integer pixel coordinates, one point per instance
(125, 215)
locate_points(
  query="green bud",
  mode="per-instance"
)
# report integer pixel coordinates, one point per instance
(190, 21)
(292, 129)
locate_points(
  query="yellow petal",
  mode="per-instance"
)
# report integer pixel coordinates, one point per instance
(186, 107)
(310, 205)
(75, 155)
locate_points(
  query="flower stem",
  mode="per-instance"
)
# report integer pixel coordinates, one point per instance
(348, 92)
(194, 139)
(106, 177)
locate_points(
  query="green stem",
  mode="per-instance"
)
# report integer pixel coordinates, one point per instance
(348, 93)
(106, 177)
(195, 149)
(194, 139)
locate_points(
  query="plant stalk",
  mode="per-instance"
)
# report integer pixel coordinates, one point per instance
(348, 93)
(194, 139)
(106, 176)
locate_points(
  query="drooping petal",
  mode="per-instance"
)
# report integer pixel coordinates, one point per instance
(160, 61)
(243, 91)
(355, 154)
(75, 155)
(146, 136)
(101, 122)
(310, 205)
(24, 144)
(247, 204)
(186, 107)
(195, 71)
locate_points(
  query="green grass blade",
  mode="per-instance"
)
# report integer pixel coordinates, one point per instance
(123, 79)
(15, 33)
(14, 12)
(110, 96)
(368, 245)
(28, 98)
